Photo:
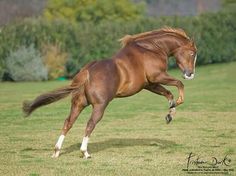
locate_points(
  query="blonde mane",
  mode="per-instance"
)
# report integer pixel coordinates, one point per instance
(129, 38)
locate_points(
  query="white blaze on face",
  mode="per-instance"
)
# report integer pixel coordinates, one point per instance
(195, 60)
(192, 75)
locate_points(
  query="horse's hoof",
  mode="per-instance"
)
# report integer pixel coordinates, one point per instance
(168, 118)
(55, 154)
(85, 155)
(88, 157)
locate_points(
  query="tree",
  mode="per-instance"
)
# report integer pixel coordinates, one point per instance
(93, 10)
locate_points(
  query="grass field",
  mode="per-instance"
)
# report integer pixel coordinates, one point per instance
(132, 138)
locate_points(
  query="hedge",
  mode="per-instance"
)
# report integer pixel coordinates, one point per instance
(214, 34)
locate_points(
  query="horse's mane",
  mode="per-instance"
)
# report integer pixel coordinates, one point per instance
(129, 38)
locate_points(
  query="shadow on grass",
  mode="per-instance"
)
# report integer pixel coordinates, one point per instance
(29, 149)
(121, 143)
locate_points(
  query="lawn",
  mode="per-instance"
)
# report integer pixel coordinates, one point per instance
(132, 138)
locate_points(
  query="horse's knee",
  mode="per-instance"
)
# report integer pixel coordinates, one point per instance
(179, 101)
(170, 95)
(180, 84)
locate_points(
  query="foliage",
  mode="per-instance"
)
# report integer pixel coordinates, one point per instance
(214, 34)
(2, 70)
(95, 11)
(217, 38)
(228, 2)
(229, 5)
(25, 64)
(72, 67)
(55, 60)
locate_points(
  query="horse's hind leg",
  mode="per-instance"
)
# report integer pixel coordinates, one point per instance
(98, 111)
(78, 103)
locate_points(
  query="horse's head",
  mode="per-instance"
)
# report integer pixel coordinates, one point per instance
(186, 57)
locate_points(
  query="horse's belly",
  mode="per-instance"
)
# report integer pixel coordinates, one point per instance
(130, 84)
(128, 89)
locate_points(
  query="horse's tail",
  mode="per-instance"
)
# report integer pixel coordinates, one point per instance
(53, 96)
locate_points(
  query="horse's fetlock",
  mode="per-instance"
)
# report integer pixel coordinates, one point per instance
(172, 103)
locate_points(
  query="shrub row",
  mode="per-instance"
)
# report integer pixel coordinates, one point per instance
(214, 35)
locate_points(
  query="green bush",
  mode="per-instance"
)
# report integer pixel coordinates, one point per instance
(214, 34)
(215, 38)
(72, 68)
(25, 64)
(2, 68)
(92, 10)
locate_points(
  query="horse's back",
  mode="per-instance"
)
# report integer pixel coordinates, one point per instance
(121, 76)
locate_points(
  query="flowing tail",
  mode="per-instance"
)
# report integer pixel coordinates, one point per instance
(47, 98)
(53, 96)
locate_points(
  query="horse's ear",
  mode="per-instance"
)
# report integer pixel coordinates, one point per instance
(192, 41)
(146, 45)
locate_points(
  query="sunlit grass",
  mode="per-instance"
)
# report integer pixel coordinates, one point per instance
(131, 139)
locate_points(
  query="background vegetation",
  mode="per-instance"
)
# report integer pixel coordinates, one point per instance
(132, 138)
(90, 31)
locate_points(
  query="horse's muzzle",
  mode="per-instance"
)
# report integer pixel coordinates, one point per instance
(188, 75)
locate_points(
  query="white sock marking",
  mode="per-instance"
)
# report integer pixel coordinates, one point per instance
(60, 141)
(84, 144)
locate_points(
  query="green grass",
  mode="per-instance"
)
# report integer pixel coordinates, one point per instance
(132, 138)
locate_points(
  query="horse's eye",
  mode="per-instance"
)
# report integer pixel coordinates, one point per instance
(192, 54)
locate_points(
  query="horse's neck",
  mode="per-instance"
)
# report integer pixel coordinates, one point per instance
(168, 43)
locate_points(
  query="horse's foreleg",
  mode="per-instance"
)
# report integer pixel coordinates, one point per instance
(76, 108)
(166, 79)
(160, 90)
(98, 110)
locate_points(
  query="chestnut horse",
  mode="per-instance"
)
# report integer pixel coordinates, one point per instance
(141, 63)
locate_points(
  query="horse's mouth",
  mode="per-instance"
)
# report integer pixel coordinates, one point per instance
(185, 76)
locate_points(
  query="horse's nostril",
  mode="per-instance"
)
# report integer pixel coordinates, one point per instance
(187, 73)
